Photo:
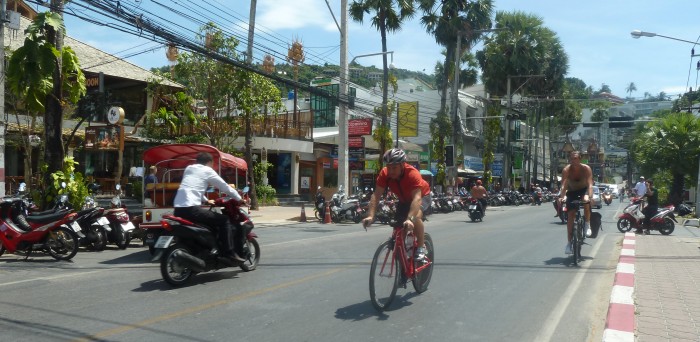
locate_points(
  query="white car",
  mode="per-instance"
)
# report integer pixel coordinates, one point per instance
(596, 198)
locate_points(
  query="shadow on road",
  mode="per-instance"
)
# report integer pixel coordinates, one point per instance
(158, 284)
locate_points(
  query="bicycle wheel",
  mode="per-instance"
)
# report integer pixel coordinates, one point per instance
(384, 276)
(576, 241)
(422, 279)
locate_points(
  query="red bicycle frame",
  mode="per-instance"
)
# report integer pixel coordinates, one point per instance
(398, 237)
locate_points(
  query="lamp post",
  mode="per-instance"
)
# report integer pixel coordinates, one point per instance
(637, 33)
(507, 154)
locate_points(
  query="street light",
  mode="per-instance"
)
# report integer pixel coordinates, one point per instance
(637, 33)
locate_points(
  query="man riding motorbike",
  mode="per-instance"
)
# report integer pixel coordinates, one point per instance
(479, 193)
(197, 177)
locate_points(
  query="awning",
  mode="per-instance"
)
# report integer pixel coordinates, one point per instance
(465, 172)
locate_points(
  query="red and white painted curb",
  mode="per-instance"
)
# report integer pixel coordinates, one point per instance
(619, 325)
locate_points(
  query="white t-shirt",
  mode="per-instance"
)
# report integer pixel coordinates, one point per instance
(195, 180)
(640, 189)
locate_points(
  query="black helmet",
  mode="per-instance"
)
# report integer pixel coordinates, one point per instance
(394, 156)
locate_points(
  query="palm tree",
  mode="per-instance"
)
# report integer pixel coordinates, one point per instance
(388, 16)
(668, 144)
(631, 88)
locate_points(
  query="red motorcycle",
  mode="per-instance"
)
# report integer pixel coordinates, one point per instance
(632, 217)
(186, 248)
(54, 232)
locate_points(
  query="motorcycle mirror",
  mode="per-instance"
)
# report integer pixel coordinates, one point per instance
(118, 187)
(22, 187)
(246, 189)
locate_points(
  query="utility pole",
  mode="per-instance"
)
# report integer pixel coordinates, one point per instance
(3, 124)
(455, 111)
(506, 152)
(343, 165)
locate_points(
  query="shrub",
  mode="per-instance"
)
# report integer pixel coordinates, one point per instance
(266, 194)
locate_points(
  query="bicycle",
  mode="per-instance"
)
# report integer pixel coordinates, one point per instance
(393, 265)
(579, 235)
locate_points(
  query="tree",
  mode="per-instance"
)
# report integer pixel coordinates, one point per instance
(668, 145)
(388, 16)
(209, 81)
(45, 75)
(448, 22)
(631, 88)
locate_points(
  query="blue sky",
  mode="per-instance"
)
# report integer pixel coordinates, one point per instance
(595, 35)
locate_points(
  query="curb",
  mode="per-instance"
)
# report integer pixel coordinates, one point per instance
(620, 321)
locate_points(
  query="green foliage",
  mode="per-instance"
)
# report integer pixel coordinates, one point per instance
(76, 186)
(137, 188)
(260, 170)
(266, 194)
(441, 132)
(492, 130)
(30, 68)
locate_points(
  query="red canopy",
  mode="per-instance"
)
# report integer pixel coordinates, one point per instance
(178, 156)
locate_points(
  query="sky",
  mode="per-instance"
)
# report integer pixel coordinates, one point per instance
(595, 35)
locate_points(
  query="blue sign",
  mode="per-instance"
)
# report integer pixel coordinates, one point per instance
(473, 163)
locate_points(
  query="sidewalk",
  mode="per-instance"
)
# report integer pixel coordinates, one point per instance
(279, 215)
(656, 295)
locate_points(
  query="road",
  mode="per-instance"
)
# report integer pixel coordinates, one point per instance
(504, 279)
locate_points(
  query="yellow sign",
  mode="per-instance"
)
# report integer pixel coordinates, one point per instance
(408, 119)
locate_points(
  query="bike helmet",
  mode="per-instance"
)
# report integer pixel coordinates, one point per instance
(394, 156)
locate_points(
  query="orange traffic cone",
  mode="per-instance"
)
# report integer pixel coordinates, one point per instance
(303, 214)
(327, 219)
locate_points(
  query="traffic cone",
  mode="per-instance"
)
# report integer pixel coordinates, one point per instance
(327, 219)
(303, 214)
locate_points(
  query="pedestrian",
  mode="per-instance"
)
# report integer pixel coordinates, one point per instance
(640, 189)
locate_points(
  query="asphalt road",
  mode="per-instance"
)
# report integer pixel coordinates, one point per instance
(504, 279)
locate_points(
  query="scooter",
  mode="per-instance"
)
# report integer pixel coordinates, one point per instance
(559, 205)
(118, 217)
(607, 197)
(632, 217)
(476, 210)
(319, 205)
(54, 232)
(342, 209)
(186, 248)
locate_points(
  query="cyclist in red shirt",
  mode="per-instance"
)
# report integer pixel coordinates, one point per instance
(412, 191)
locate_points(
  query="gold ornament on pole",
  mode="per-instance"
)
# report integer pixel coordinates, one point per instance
(269, 64)
(172, 54)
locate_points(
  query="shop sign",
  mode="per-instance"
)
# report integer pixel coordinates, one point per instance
(326, 165)
(358, 127)
(356, 141)
(108, 138)
(355, 153)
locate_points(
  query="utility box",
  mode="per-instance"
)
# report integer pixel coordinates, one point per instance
(12, 20)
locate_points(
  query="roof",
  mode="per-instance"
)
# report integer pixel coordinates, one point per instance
(92, 59)
(178, 156)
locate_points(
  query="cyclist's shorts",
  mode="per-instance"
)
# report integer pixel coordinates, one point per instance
(403, 208)
(572, 195)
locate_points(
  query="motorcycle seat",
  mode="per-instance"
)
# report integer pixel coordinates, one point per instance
(50, 217)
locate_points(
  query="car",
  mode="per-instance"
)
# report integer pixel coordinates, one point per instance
(596, 198)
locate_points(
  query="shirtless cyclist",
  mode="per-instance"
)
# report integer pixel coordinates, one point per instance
(576, 184)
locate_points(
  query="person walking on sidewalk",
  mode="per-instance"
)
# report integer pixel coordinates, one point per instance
(576, 184)
(412, 191)
(651, 208)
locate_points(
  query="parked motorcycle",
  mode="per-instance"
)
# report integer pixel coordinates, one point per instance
(476, 210)
(345, 209)
(118, 217)
(185, 248)
(607, 197)
(319, 205)
(632, 217)
(53, 232)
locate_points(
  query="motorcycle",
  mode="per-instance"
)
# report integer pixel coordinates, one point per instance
(632, 217)
(476, 210)
(607, 197)
(559, 205)
(186, 248)
(118, 217)
(53, 232)
(319, 205)
(342, 209)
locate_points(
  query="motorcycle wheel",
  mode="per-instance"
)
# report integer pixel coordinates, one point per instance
(624, 225)
(667, 227)
(100, 240)
(253, 257)
(357, 218)
(172, 271)
(563, 217)
(62, 243)
(119, 235)
(318, 215)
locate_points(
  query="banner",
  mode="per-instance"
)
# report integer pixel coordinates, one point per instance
(408, 119)
(356, 142)
(357, 127)
(104, 138)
